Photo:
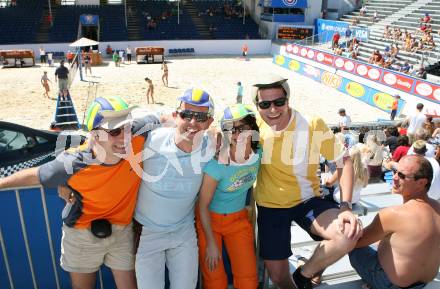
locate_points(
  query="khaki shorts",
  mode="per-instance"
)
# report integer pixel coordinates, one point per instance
(82, 252)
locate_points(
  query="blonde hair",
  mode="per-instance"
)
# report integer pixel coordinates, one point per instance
(361, 174)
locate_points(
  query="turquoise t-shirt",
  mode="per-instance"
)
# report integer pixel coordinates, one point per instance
(234, 180)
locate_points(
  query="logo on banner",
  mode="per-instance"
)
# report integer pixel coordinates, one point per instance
(89, 19)
(290, 2)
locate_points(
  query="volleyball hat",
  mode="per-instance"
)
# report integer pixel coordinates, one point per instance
(235, 113)
(108, 113)
(197, 97)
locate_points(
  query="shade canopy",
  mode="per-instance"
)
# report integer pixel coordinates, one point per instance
(84, 42)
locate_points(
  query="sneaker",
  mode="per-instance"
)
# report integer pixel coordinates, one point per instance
(301, 282)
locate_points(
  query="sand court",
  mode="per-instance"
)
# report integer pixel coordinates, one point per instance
(21, 92)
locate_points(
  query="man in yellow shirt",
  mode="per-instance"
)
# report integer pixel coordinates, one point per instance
(288, 188)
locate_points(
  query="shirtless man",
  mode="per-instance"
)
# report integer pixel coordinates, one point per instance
(45, 82)
(165, 73)
(408, 235)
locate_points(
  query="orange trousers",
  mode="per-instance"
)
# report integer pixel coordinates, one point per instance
(237, 233)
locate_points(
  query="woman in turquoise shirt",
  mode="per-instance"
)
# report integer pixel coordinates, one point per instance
(222, 216)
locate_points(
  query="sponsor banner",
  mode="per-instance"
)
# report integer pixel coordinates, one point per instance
(361, 33)
(285, 3)
(326, 29)
(427, 90)
(360, 91)
(368, 71)
(88, 19)
(324, 58)
(405, 83)
(398, 81)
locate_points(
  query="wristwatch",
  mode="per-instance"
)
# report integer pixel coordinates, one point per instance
(345, 205)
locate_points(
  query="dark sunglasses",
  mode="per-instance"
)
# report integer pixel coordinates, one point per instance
(236, 129)
(113, 132)
(188, 115)
(402, 176)
(265, 104)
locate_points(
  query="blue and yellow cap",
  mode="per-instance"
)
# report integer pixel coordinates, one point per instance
(236, 112)
(107, 112)
(197, 97)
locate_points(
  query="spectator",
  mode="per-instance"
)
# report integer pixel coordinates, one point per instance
(344, 120)
(421, 73)
(405, 67)
(128, 51)
(386, 32)
(402, 148)
(221, 216)
(375, 17)
(415, 121)
(426, 18)
(363, 10)
(424, 135)
(392, 135)
(420, 147)
(109, 50)
(43, 56)
(335, 40)
(375, 156)
(70, 56)
(360, 179)
(398, 262)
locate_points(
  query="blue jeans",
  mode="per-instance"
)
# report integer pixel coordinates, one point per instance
(366, 263)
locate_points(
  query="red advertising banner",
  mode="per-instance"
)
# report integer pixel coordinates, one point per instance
(324, 58)
(346, 64)
(427, 90)
(397, 81)
(368, 71)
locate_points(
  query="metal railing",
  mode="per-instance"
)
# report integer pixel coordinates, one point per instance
(29, 235)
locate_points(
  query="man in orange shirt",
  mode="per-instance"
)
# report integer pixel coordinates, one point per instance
(394, 107)
(104, 176)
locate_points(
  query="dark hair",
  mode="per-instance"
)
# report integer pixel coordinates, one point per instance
(419, 106)
(403, 140)
(275, 85)
(424, 171)
(251, 121)
(393, 131)
(146, 78)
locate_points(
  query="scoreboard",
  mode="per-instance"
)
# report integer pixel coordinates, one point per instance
(294, 32)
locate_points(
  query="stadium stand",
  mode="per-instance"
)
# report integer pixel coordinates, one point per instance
(18, 24)
(405, 15)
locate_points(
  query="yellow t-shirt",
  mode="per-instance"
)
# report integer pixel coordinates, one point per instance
(290, 160)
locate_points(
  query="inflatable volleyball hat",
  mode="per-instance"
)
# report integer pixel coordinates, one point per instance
(108, 113)
(235, 112)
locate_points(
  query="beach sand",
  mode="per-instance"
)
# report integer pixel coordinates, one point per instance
(21, 93)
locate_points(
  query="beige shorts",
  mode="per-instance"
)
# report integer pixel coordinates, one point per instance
(82, 252)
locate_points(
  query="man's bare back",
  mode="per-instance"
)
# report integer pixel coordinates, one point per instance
(411, 253)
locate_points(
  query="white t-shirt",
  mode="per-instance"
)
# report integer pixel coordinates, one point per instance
(128, 50)
(49, 56)
(416, 121)
(42, 52)
(345, 121)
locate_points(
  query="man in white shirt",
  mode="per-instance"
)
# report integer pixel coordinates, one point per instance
(345, 120)
(415, 122)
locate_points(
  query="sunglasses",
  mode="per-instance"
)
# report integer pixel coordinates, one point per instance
(402, 176)
(113, 132)
(188, 115)
(265, 104)
(236, 129)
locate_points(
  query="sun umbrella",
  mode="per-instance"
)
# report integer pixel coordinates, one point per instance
(84, 42)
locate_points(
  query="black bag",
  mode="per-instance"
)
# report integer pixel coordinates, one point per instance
(101, 228)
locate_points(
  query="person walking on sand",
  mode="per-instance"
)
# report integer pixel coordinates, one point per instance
(165, 73)
(88, 63)
(45, 82)
(150, 90)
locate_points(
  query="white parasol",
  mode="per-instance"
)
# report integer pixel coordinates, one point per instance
(84, 42)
